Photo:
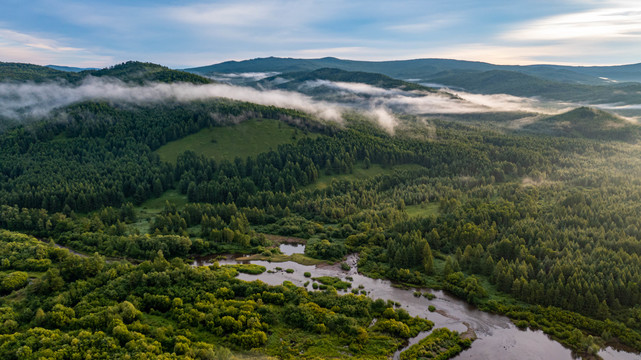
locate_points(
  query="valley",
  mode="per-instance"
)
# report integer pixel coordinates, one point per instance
(411, 211)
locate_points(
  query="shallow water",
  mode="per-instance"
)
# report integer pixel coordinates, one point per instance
(497, 336)
(291, 249)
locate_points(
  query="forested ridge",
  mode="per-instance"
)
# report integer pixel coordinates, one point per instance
(543, 229)
(130, 71)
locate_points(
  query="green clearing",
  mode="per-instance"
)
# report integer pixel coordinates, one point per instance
(297, 258)
(248, 138)
(360, 173)
(152, 207)
(422, 210)
(155, 205)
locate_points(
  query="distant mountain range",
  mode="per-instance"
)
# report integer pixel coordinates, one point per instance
(294, 80)
(424, 69)
(580, 84)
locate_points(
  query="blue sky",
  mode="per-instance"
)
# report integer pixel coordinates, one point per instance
(192, 33)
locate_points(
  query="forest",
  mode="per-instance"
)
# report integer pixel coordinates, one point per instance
(543, 229)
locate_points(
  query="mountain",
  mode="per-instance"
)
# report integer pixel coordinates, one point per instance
(520, 84)
(404, 69)
(131, 71)
(422, 69)
(36, 73)
(69, 68)
(139, 72)
(293, 81)
(587, 122)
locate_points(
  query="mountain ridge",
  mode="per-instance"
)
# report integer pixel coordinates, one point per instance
(428, 66)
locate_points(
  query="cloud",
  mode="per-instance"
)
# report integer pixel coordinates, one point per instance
(20, 47)
(358, 88)
(23, 101)
(230, 14)
(425, 25)
(384, 118)
(413, 102)
(19, 101)
(510, 54)
(601, 24)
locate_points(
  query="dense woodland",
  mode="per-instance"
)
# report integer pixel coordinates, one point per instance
(543, 229)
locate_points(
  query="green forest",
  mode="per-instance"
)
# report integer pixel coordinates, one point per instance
(543, 229)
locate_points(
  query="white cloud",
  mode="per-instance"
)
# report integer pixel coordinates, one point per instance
(20, 47)
(437, 103)
(599, 24)
(28, 99)
(231, 14)
(511, 54)
(426, 24)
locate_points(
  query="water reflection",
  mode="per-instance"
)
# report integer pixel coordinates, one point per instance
(497, 336)
(291, 249)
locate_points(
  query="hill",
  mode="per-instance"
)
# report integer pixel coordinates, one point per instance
(292, 81)
(131, 71)
(248, 138)
(69, 68)
(587, 122)
(139, 72)
(36, 73)
(422, 69)
(520, 84)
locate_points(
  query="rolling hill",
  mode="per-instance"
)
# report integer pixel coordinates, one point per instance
(292, 81)
(587, 122)
(18, 72)
(519, 84)
(423, 69)
(69, 68)
(131, 72)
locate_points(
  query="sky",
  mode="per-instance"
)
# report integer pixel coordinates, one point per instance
(180, 34)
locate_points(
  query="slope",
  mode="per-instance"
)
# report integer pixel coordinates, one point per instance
(139, 72)
(422, 69)
(19, 72)
(130, 72)
(292, 81)
(519, 84)
(587, 122)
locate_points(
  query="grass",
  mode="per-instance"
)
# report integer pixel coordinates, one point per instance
(297, 258)
(248, 138)
(288, 343)
(333, 281)
(252, 269)
(157, 204)
(422, 210)
(359, 173)
(152, 207)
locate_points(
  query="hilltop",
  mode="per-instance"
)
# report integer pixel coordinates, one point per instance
(423, 69)
(131, 71)
(292, 81)
(588, 122)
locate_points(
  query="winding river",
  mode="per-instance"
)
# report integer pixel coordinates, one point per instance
(497, 336)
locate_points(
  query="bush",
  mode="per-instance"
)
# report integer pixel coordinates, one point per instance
(431, 308)
(307, 274)
(429, 295)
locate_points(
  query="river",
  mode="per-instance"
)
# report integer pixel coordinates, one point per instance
(497, 337)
